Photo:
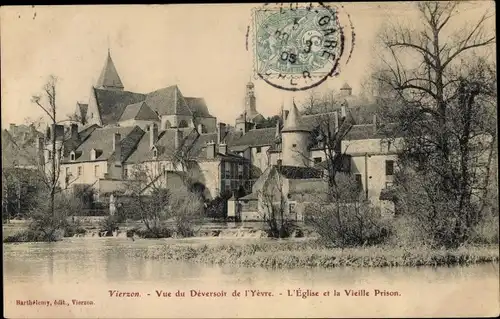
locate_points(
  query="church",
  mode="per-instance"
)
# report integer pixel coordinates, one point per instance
(110, 104)
(123, 133)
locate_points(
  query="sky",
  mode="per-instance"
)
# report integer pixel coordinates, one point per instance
(200, 48)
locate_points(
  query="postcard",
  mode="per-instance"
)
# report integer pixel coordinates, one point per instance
(251, 160)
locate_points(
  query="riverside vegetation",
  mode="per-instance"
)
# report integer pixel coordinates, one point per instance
(445, 186)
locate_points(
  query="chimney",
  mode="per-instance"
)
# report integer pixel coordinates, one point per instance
(12, 126)
(223, 148)
(153, 135)
(74, 131)
(375, 124)
(336, 120)
(211, 149)
(117, 148)
(58, 130)
(221, 132)
(343, 111)
(179, 136)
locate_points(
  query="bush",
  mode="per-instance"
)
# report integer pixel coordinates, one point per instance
(348, 224)
(108, 225)
(153, 233)
(487, 231)
(72, 229)
(31, 235)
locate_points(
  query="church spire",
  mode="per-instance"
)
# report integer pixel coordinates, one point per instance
(109, 78)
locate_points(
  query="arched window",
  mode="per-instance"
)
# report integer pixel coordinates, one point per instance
(167, 124)
(183, 123)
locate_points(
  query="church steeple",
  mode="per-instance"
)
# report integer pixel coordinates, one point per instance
(250, 105)
(109, 78)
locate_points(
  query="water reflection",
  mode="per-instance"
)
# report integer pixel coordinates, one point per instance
(108, 260)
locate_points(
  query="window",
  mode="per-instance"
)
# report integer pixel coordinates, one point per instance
(183, 123)
(359, 181)
(258, 149)
(50, 155)
(155, 153)
(96, 171)
(227, 169)
(294, 145)
(91, 115)
(240, 171)
(125, 173)
(388, 146)
(318, 160)
(72, 156)
(80, 171)
(68, 172)
(279, 162)
(389, 168)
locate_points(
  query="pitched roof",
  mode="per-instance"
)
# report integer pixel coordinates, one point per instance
(297, 172)
(109, 77)
(168, 101)
(112, 103)
(102, 139)
(253, 138)
(192, 144)
(138, 111)
(198, 106)
(368, 131)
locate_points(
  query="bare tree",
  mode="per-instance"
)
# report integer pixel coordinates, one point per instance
(442, 93)
(50, 109)
(276, 213)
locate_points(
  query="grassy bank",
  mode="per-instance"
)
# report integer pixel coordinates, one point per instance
(282, 254)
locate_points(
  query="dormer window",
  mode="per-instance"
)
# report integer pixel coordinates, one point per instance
(155, 153)
(72, 156)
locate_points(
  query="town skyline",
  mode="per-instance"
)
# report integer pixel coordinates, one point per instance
(72, 43)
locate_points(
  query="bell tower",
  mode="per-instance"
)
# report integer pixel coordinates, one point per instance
(250, 105)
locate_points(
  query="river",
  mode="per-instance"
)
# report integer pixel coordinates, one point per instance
(87, 269)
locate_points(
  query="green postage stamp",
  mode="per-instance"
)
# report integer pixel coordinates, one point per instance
(297, 46)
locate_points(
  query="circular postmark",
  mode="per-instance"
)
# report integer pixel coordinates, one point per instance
(299, 46)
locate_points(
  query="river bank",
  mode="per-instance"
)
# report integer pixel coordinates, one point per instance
(309, 253)
(260, 251)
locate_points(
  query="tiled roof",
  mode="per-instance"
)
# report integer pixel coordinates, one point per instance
(296, 172)
(138, 111)
(367, 131)
(198, 106)
(102, 139)
(256, 137)
(109, 77)
(112, 103)
(193, 145)
(168, 101)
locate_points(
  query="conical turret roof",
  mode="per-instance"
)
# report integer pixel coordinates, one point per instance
(293, 122)
(109, 78)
